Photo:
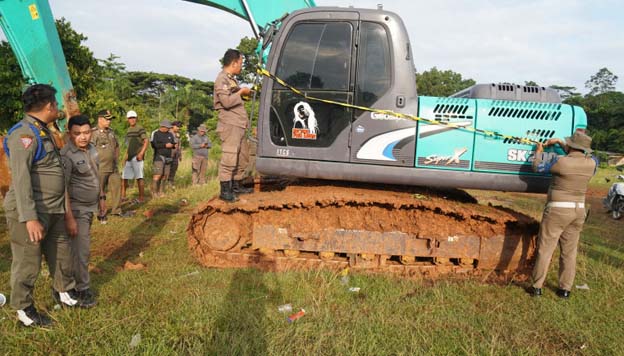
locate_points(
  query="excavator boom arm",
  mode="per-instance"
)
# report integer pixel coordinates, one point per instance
(259, 13)
(31, 32)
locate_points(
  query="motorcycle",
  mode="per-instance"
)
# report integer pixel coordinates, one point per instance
(614, 202)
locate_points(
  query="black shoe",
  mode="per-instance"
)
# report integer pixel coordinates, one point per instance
(226, 192)
(534, 292)
(86, 298)
(29, 316)
(239, 188)
(72, 299)
(562, 293)
(102, 219)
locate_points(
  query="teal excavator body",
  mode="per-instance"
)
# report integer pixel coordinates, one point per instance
(29, 26)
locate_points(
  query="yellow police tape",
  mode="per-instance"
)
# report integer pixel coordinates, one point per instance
(523, 140)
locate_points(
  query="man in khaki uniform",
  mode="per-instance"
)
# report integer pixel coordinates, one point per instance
(35, 206)
(107, 146)
(228, 100)
(200, 144)
(83, 191)
(564, 214)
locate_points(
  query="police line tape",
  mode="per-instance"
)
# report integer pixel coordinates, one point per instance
(488, 133)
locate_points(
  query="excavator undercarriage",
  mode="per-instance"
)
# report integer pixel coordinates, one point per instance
(402, 230)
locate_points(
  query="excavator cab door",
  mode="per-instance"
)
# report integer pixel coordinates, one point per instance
(316, 56)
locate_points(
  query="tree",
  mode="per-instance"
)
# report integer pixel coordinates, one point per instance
(11, 85)
(605, 116)
(601, 82)
(435, 82)
(248, 46)
(82, 66)
(565, 92)
(531, 83)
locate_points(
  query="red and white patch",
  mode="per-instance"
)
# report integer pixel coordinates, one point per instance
(26, 141)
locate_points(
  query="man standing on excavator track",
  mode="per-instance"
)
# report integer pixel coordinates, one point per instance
(228, 100)
(564, 214)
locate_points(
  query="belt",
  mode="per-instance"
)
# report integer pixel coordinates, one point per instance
(565, 204)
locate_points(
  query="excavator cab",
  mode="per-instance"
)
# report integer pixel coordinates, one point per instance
(359, 57)
(363, 58)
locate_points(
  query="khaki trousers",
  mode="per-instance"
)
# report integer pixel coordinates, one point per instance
(81, 249)
(235, 153)
(26, 263)
(199, 169)
(111, 181)
(560, 226)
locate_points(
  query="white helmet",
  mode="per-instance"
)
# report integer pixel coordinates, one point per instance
(131, 113)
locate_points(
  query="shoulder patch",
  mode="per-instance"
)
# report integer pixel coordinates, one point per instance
(26, 140)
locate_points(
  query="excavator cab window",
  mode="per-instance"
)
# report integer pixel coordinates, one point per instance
(374, 75)
(316, 58)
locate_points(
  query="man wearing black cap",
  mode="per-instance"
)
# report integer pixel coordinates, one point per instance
(176, 155)
(107, 147)
(565, 211)
(163, 143)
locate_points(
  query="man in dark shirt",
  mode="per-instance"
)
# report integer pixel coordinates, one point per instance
(177, 152)
(163, 143)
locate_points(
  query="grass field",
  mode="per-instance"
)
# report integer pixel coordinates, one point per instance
(175, 306)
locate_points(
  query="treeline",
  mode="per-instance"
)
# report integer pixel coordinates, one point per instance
(105, 83)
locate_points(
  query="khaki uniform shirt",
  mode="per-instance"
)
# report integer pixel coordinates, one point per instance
(106, 145)
(81, 173)
(570, 176)
(229, 102)
(36, 187)
(197, 141)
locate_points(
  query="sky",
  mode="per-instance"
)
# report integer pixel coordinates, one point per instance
(551, 42)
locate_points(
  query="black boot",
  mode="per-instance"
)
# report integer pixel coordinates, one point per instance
(238, 188)
(226, 192)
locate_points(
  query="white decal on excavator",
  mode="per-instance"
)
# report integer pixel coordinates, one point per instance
(454, 159)
(304, 116)
(378, 116)
(283, 152)
(518, 155)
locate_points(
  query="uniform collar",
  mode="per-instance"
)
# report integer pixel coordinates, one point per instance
(576, 154)
(75, 148)
(35, 121)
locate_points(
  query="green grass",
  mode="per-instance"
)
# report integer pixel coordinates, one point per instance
(179, 307)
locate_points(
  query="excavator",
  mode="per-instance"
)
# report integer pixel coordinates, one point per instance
(375, 169)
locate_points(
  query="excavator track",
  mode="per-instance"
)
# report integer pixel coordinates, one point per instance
(400, 230)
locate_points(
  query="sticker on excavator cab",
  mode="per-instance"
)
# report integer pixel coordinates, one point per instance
(305, 117)
(446, 160)
(519, 155)
(387, 117)
(34, 13)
